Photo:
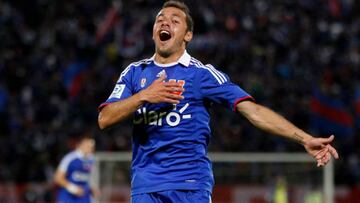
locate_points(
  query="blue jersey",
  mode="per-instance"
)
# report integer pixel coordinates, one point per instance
(170, 141)
(77, 169)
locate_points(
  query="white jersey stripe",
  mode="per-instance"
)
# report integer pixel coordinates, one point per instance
(126, 70)
(221, 76)
(211, 71)
(197, 61)
(218, 72)
(144, 61)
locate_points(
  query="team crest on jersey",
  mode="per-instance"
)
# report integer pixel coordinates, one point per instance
(161, 73)
(87, 166)
(143, 82)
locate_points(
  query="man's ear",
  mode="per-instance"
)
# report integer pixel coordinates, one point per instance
(188, 36)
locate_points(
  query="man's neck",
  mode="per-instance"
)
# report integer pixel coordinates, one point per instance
(170, 59)
(82, 153)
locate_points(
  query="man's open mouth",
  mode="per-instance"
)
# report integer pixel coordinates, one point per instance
(164, 35)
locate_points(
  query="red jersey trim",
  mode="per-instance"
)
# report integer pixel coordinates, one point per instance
(241, 100)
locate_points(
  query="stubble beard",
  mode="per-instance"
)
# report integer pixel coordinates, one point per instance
(164, 52)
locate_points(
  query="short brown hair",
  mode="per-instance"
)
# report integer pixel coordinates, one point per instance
(82, 135)
(182, 6)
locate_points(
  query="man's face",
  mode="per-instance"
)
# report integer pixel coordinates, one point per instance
(87, 146)
(170, 31)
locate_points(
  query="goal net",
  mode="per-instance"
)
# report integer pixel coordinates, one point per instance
(239, 178)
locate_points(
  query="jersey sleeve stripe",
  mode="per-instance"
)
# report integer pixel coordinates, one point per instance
(212, 73)
(212, 67)
(144, 61)
(217, 72)
(200, 65)
(220, 80)
(127, 69)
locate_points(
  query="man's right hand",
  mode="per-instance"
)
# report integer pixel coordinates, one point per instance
(75, 190)
(160, 91)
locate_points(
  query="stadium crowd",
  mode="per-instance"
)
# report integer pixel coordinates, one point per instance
(60, 59)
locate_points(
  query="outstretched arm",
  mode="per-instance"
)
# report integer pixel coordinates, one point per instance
(266, 119)
(157, 92)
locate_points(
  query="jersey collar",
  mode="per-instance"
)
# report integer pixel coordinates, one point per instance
(183, 60)
(81, 154)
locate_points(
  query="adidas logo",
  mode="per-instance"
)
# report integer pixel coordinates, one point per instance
(161, 73)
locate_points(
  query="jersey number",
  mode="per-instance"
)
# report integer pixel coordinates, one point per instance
(180, 82)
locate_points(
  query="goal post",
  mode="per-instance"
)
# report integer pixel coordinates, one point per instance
(107, 162)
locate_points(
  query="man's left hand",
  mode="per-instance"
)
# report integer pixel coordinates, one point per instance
(321, 149)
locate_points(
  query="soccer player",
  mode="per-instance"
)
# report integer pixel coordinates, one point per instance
(73, 173)
(169, 95)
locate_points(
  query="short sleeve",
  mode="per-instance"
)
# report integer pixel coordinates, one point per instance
(65, 162)
(122, 89)
(217, 87)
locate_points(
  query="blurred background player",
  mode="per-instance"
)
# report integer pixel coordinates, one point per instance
(73, 173)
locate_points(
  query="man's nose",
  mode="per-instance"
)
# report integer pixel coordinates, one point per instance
(165, 22)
